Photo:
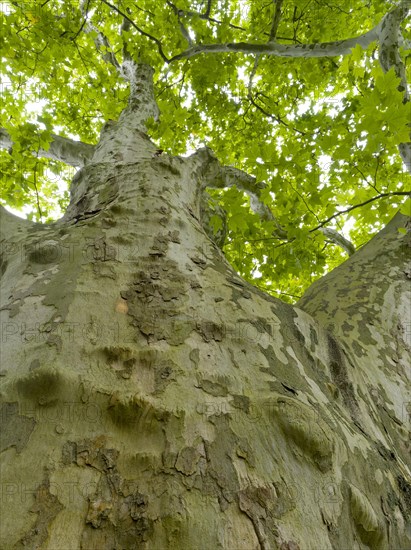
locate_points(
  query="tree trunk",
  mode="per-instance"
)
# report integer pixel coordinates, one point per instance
(153, 399)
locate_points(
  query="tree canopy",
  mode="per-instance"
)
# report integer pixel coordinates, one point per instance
(307, 99)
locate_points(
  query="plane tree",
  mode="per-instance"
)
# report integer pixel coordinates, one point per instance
(157, 393)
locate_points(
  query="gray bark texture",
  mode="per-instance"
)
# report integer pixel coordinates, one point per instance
(153, 399)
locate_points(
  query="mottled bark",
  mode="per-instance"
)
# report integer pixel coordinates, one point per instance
(73, 153)
(381, 32)
(153, 399)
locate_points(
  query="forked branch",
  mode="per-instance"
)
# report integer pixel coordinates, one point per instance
(141, 103)
(216, 176)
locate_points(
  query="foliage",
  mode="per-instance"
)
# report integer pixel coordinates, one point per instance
(321, 133)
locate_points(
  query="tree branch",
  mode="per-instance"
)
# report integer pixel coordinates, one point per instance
(142, 103)
(338, 239)
(390, 38)
(101, 41)
(183, 30)
(12, 225)
(276, 20)
(273, 34)
(125, 27)
(331, 234)
(141, 31)
(205, 16)
(324, 49)
(69, 151)
(270, 115)
(209, 207)
(36, 191)
(217, 176)
(349, 209)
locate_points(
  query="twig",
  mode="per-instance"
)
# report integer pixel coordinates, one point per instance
(274, 117)
(205, 16)
(83, 23)
(380, 196)
(365, 179)
(273, 33)
(376, 172)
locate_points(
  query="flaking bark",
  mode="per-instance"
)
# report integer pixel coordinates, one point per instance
(154, 399)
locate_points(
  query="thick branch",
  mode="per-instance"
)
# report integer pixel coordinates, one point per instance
(390, 39)
(103, 46)
(217, 176)
(368, 290)
(183, 30)
(125, 27)
(141, 104)
(12, 225)
(69, 151)
(338, 239)
(209, 208)
(273, 34)
(324, 49)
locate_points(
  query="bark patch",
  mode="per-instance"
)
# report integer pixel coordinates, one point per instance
(217, 388)
(47, 506)
(43, 385)
(368, 526)
(15, 429)
(306, 428)
(117, 511)
(340, 377)
(405, 489)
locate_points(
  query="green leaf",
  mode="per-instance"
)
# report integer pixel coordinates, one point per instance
(406, 208)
